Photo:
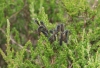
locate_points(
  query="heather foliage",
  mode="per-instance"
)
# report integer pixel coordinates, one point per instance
(22, 47)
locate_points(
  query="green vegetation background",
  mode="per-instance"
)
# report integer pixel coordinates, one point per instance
(21, 47)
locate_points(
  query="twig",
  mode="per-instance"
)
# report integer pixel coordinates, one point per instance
(13, 41)
(95, 4)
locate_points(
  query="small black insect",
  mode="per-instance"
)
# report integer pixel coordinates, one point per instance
(57, 29)
(52, 38)
(62, 27)
(51, 31)
(41, 22)
(63, 37)
(37, 22)
(43, 30)
(66, 35)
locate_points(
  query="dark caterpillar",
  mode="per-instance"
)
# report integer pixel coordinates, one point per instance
(54, 34)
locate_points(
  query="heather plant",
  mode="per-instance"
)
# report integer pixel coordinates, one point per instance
(22, 47)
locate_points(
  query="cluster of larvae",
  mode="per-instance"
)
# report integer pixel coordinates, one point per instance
(57, 33)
